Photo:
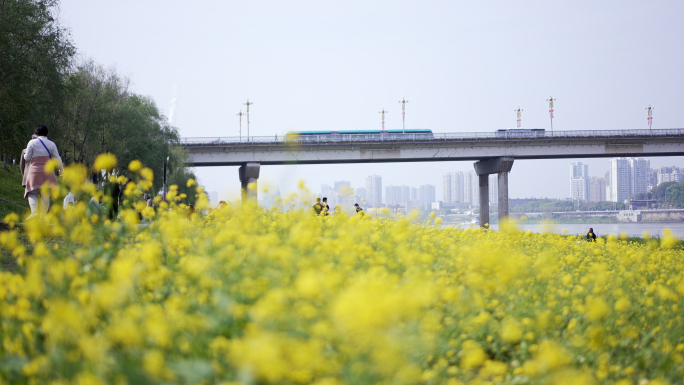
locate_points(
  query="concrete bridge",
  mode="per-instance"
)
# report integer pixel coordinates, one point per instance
(493, 153)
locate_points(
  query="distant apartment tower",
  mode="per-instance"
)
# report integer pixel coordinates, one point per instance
(463, 187)
(395, 194)
(344, 195)
(374, 190)
(597, 189)
(452, 187)
(639, 170)
(426, 195)
(361, 193)
(493, 189)
(579, 181)
(620, 180)
(669, 174)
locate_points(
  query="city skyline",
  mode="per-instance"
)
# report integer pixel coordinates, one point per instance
(445, 57)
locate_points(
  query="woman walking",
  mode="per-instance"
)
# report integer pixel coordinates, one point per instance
(38, 152)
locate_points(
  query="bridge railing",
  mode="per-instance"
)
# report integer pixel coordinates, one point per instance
(422, 137)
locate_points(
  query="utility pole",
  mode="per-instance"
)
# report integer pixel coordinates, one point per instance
(550, 100)
(248, 103)
(240, 115)
(403, 102)
(383, 112)
(519, 111)
(649, 109)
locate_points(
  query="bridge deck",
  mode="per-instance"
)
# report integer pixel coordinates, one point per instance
(359, 148)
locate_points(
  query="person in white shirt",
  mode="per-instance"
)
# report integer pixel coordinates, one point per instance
(69, 200)
(38, 152)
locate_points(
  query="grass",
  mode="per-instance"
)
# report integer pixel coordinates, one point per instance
(11, 190)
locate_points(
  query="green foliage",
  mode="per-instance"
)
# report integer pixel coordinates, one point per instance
(35, 55)
(675, 194)
(101, 115)
(667, 194)
(178, 174)
(88, 108)
(11, 192)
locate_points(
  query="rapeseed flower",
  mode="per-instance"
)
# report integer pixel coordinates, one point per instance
(104, 162)
(245, 295)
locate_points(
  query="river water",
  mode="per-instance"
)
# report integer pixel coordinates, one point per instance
(631, 229)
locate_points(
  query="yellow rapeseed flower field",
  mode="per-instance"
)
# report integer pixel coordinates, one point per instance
(245, 295)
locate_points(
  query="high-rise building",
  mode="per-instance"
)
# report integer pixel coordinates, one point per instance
(639, 169)
(493, 189)
(360, 193)
(628, 176)
(471, 188)
(669, 174)
(395, 194)
(446, 187)
(579, 181)
(414, 195)
(426, 195)
(374, 190)
(597, 189)
(620, 180)
(344, 195)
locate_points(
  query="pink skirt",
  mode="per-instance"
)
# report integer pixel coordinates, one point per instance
(36, 175)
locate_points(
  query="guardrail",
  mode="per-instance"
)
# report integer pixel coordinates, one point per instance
(435, 137)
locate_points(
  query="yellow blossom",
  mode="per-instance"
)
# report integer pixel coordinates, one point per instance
(104, 162)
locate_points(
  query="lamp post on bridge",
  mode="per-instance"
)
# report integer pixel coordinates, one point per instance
(240, 115)
(519, 111)
(403, 102)
(550, 100)
(248, 103)
(383, 112)
(649, 109)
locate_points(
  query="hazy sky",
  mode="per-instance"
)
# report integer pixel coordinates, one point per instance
(464, 66)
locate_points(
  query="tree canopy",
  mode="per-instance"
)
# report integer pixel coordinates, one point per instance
(88, 108)
(35, 56)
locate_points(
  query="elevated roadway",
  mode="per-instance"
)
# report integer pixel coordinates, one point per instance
(326, 149)
(493, 153)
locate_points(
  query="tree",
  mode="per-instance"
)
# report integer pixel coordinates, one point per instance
(179, 173)
(100, 114)
(675, 194)
(35, 56)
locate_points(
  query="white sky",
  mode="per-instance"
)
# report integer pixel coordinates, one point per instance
(464, 66)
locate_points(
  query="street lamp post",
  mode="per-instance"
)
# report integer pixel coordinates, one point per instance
(649, 109)
(550, 100)
(403, 102)
(248, 103)
(519, 112)
(383, 112)
(240, 115)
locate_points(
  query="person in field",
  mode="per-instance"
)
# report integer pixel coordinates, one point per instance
(591, 237)
(38, 152)
(317, 207)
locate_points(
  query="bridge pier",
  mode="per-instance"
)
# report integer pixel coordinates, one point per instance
(501, 166)
(249, 173)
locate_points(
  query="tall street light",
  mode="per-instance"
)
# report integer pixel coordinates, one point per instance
(240, 115)
(248, 103)
(383, 112)
(650, 109)
(403, 102)
(550, 100)
(519, 111)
